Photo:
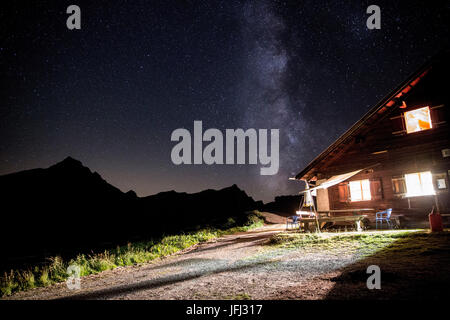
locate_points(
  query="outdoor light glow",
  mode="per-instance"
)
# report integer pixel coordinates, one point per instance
(418, 120)
(304, 213)
(419, 184)
(360, 190)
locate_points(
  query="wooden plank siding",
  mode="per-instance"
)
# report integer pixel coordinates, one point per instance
(382, 142)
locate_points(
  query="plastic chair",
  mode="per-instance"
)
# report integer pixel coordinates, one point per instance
(294, 222)
(382, 216)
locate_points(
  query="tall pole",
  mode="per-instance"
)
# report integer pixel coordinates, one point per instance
(315, 213)
(313, 205)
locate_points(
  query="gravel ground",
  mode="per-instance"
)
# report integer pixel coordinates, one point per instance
(232, 267)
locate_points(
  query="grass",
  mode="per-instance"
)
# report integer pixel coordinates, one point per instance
(131, 254)
(414, 265)
(399, 242)
(239, 296)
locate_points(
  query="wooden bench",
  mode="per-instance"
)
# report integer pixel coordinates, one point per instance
(397, 219)
(356, 219)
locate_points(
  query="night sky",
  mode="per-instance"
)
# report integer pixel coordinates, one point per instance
(111, 93)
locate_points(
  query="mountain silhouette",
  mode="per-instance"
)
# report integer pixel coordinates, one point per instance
(284, 205)
(67, 208)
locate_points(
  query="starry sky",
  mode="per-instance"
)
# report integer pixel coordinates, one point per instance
(111, 93)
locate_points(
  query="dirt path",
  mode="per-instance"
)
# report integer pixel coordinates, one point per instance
(232, 267)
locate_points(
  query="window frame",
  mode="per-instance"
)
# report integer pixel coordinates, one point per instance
(400, 181)
(405, 117)
(422, 194)
(362, 190)
(436, 178)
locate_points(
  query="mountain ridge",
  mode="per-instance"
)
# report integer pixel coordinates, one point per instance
(67, 208)
(72, 163)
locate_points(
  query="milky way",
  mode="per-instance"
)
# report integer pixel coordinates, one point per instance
(263, 91)
(111, 93)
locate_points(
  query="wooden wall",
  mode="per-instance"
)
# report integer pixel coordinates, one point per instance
(401, 153)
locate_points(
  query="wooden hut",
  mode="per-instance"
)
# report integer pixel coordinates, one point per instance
(396, 156)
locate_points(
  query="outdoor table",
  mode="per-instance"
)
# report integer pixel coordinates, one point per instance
(354, 218)
(353, 211)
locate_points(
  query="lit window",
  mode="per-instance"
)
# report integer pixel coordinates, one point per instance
(418, 120)
(419, 184)
(360, 190)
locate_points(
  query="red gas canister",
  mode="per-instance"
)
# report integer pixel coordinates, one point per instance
(435, 221)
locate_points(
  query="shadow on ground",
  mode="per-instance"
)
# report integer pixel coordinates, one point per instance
(192, 268)
(203, 267)
(416, 266)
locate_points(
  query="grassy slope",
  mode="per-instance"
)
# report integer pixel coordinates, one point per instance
(415, 264)
(404, 243)
(133, 253)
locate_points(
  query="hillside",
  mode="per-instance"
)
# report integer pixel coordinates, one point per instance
(67, 208)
